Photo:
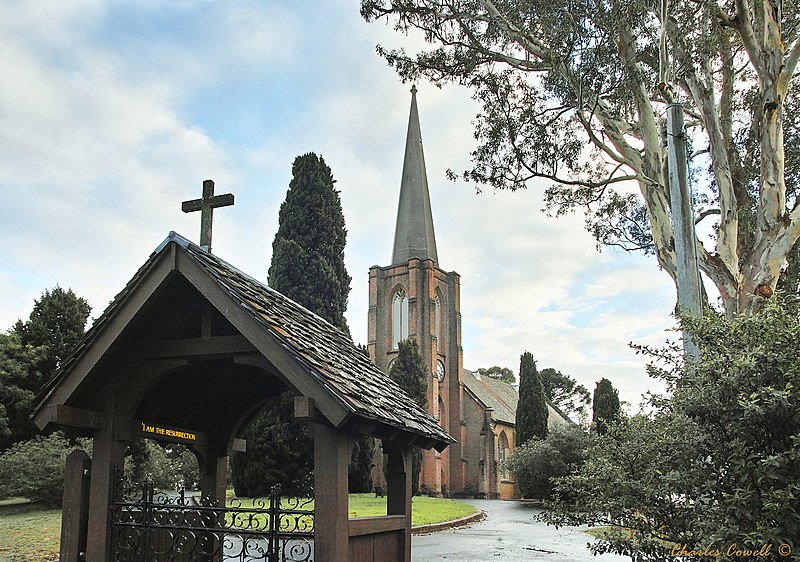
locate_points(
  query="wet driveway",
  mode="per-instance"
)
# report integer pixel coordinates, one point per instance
(509, 533)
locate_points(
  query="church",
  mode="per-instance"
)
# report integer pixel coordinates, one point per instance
(415, 297)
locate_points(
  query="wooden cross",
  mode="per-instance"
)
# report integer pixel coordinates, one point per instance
(206, 205)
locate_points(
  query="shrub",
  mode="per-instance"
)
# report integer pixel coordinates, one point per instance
(536, 463)
(715, 462)
(34, 469)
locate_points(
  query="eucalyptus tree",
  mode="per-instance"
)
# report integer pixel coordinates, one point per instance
(575, 92)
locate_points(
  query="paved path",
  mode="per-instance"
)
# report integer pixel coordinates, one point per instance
(509, 533)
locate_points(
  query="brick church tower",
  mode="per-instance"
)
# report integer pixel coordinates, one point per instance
(414, 297)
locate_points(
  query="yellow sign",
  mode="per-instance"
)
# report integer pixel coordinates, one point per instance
(166, 433)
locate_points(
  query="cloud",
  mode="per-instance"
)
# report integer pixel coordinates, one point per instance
(113, 113)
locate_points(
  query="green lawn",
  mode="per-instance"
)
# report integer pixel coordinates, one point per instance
(424, 510)
(29, 533)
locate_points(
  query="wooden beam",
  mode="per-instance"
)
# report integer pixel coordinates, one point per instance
(116, 324)
(374, 525)
(62, 414)
(289, 368)
(201, 347)
(304, 409)
(239, 445)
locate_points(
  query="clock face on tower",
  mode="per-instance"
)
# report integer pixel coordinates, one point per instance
(440, 371)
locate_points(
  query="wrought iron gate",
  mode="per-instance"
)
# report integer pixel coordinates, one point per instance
(154, 526)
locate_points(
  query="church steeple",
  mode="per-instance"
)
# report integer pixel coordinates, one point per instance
(413, 235)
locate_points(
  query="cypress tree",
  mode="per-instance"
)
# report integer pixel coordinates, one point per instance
(359, 472)
(308, 250)
(409, 372)
(308, 267)
(605, 407)
(531, 420)
(279, 451)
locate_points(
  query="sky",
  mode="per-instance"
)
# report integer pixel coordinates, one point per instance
(114, 112)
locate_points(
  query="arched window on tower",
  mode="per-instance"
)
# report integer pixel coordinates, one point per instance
(399, 318)
(437, 322)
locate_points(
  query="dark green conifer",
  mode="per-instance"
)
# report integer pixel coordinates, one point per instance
(29, 355)
(605, 407)
(409, 372)
(361, 461)
(308, 250)
(308, 267)
(279, 451)
(57, 322)
(531, 420)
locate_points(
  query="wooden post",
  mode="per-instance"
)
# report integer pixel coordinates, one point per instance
(213, 480)
(689, 288)
(75, 506)
(332, 450)
(106, 452)
(398, 489)
(213, 470)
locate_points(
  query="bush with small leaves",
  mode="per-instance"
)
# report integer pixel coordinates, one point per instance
(34, 469)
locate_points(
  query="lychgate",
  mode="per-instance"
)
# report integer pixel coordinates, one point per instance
(189, 351)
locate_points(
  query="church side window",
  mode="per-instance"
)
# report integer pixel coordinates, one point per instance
(502, 455)
(399, 318)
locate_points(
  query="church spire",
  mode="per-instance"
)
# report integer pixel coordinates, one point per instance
(413, 235)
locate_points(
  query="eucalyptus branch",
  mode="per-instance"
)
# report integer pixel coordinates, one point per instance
(706, 213)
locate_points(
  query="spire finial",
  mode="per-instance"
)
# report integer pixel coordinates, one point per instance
(413, 89)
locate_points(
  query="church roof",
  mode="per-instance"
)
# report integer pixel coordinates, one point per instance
(494, 393)
(336, 367)
(503, 398)
(413, 235)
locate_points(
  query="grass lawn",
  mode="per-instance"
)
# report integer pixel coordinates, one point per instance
(424, 510)
(30, 533)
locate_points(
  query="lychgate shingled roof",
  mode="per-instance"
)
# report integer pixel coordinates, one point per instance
(326, 354)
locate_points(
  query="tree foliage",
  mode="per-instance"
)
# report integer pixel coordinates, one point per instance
(359, 477)
(531, 420)
(408, 370)
(576, 94)
(57, 322)
(565, 392)
(717, 462)
(30, 354)
(34, 469)
(280, 450)
(538, 462)
(166, 467)
(605, 406)
(20, 380)
(308, 250)
(359, 473)
(500, 373)
(308, 267)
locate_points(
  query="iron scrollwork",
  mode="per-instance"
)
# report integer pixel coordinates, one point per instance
(150, 525)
